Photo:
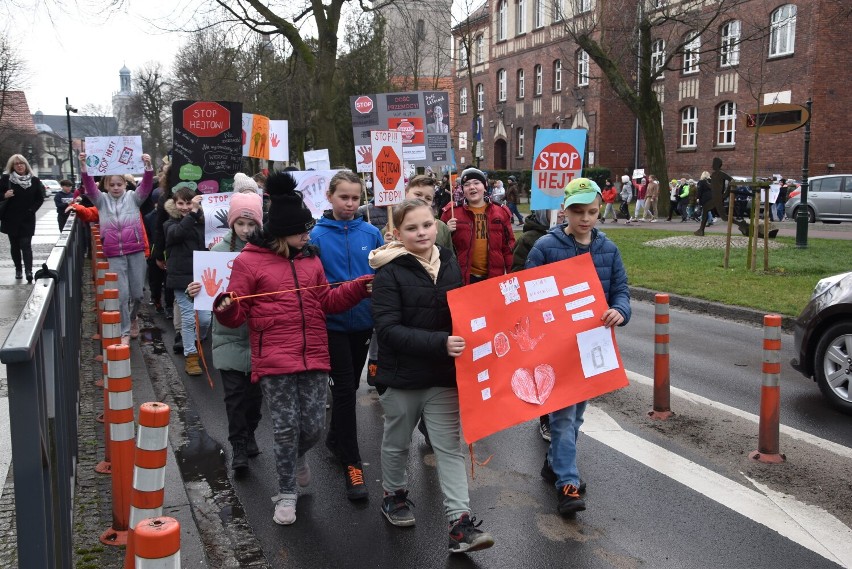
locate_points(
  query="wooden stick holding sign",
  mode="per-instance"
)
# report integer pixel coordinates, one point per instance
(388, 183)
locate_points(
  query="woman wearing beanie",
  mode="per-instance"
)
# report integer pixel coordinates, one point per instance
(231, 350)
(287, 335)
(345, 240)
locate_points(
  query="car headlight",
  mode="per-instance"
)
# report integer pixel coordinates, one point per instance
(828, 282)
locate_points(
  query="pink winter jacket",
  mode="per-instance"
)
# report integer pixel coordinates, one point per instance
(122, 232)
(287, 331)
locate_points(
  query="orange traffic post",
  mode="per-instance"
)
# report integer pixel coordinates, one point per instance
(158, 543)
(96, 241)
(110, 288)
(770, 394)
(100, 281)
(111, 332)
(149, 473)
(662, 377)
(122, 434)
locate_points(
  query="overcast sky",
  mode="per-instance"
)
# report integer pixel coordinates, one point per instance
(76, 51)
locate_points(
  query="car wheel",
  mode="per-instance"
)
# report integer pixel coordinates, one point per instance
(833, 365)
(811, 215)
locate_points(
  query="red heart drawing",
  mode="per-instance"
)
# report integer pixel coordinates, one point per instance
(534, 387)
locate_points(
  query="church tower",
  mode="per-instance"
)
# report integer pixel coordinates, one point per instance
(121, 101)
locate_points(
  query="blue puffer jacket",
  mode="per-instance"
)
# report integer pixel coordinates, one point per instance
(343, 249)
(557, 246)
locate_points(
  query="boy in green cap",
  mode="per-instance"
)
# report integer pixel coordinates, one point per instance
(578, 236)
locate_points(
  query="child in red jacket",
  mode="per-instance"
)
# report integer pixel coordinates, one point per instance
(287, 333)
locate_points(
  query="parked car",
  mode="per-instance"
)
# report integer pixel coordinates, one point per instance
(829, 199)
(822, 338)
(51, 187)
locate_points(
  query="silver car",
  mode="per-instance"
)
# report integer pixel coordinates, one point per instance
(51, 187)
(829, 199)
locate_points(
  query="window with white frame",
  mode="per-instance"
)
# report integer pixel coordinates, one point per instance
(782, 36)
(521, 86)
(520, 17)
(729, 50)
(462, 55)
(688, 127)
(501, 85)
(583, 6)
(657, 4)
(658, 56)
(691, 53)
(519, 140)
(480, 48)
(558, 10)
(726, 125)
(480, 97)
(538, 13)
(557, 75)
(582, 68)
(502, 20)
(538, 79)
(463, 101)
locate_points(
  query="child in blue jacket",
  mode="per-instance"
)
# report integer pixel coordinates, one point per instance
(578, 236)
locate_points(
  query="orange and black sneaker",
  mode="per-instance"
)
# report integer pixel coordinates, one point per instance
(570, 501)
(355, 487)
(465, 535)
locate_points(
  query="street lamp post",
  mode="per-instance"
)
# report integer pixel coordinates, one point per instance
(68, 110)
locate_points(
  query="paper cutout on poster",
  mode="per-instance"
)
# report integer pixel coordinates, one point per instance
(114, 155)
(215, 207)
(597, 351)
(213, 270)
(540, 289)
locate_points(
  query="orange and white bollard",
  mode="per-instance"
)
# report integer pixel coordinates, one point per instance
(158, 543)
(111, 332)
(100, 281)
(122, 433)
(662, 378)
(110, 289)
(149, 474)
(770, 394)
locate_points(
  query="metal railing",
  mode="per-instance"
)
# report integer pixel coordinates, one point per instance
(42, 357)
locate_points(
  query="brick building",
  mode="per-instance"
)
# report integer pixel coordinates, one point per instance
(527, 73)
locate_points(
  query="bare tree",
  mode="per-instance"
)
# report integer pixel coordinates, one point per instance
(150, 108)
(96, 120)
(420, 43)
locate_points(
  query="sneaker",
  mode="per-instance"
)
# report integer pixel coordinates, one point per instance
(465, 535)
(134, 328)
(355, 487)
(158, 308)
(570, 501)
(396, 508)
(550, 476)
(170, 311)
(252, 450)
(303, 471)
(191, 365)
(239, 460)
(19, 274)
(178, 347)
(285, 509)
(544, 431)
(654, 220)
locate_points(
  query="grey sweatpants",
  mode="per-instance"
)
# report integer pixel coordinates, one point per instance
(296, 404)
(440, 409)
(131, 283)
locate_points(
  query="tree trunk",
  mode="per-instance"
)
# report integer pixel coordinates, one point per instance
(655, 153)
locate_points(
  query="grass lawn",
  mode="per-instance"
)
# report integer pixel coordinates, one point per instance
(699, 273)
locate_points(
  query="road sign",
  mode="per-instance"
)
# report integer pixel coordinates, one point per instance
(389, 187)
(206, 119)
(778, 118)
(363, 104)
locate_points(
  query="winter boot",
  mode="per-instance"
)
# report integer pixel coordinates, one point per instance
(191, 367)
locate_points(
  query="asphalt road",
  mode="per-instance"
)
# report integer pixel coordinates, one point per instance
(639, 514)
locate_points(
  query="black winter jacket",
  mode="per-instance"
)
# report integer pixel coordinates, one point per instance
(412, 321)
(183, 236)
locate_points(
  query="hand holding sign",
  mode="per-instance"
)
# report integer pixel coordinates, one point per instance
(211, 285)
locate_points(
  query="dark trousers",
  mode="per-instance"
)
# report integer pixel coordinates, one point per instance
(22, 247)
(348, 352)
(243, 400)
(62, 217)
(157, 281)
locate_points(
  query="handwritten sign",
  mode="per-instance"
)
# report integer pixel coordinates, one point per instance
(215, 208)
(114, 155)
(535, 345)
(389, 185)
(317, 159)
(557, 159)
(213, 271)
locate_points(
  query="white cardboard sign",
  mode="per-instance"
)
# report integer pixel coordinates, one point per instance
(388, 178)
(213, 271)
(114, 155)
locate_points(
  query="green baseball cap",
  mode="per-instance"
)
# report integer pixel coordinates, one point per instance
(581, 191)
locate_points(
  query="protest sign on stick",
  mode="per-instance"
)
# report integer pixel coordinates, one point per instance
(557, 159)
(213, 270)
(114, 155)
(389, 184)
(215, 207)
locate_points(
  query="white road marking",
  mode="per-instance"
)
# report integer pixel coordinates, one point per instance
(830, 446)
(826, 535)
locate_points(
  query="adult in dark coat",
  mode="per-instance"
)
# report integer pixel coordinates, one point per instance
(22, 194)
(717, 183)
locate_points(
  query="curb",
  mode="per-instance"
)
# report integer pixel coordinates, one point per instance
(706, 307)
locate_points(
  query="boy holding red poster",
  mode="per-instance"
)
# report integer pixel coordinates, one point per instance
(578, 236)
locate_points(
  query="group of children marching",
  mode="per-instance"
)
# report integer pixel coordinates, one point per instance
(272, 339)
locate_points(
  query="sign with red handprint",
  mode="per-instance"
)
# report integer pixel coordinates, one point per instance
(213, 271)
(279, 141)
(534, 344)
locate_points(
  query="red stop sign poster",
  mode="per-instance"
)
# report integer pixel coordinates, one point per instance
(206, 119)
(558, 159)
(389, 184)
(363, 104)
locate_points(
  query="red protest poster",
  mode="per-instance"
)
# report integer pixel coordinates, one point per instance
(534, 344)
